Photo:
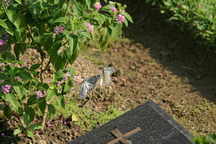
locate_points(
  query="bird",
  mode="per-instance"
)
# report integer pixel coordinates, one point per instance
(90, 83)
(87, 85)
(107, 75)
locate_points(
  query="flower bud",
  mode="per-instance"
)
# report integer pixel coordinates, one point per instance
(90, 27)
(97, 6)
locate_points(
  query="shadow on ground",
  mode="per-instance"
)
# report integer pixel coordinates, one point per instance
(6, 134)
(174, 49)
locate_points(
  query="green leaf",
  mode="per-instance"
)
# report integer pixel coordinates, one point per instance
(30, 134)
(20, 91)
(19, 1)
(7, 111)
(3, 24)
(57, 59)
(73, 50)
(19, 49)
(15, 18)
(32, 100)
(50, 94)
(73, 42)
(104, 38)
(17, 131)
(28, 115)
(35, 126)
(25, 75)
(59, 20)
(100, 19)
(13, 102)
(58, 75)
(67, 86)
(88, 3)
(51, 110)
(128, 17)
(42, 105)
(59, 104)
(34, 67)
(85, 35)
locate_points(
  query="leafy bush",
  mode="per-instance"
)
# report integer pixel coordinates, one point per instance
(28, 99)
(199, 14)
(55, 29)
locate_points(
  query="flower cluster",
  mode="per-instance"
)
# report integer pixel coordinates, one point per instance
(2, 42)
(97, 6)
(113, 9)
(58, 29)
(39, 94)
(120, 18)
(6, 89)
(90, 27)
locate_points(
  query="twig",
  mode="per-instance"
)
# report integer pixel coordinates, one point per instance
(44, 117)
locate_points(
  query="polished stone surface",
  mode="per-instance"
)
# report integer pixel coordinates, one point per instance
(146, 124)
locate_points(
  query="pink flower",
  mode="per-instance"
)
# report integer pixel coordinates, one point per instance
(6, 89)
(97, 6)
(121, 18)
(39, 94)
(113, 9)
(58, 29)
(2, 42)
(90, 27)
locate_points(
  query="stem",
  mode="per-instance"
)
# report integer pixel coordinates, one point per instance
(45, 114)
(44, 117)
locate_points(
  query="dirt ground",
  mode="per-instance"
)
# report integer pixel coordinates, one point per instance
(155, 62)
(159, 62)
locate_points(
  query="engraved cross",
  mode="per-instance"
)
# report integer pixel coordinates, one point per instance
(122, 137)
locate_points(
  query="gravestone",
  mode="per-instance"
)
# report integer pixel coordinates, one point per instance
(146, 124)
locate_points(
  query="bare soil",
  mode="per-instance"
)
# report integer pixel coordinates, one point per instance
(160, 62)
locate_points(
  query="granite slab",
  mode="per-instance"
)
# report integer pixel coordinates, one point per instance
(146, 124)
